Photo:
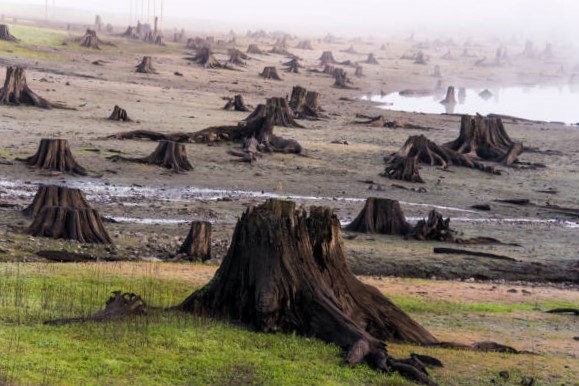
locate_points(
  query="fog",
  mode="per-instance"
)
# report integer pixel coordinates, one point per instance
(554, 20)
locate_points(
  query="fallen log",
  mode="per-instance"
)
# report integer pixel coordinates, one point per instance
(454, 251)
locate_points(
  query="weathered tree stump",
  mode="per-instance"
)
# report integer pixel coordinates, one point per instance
(237, 57)
(197, 244)
(403, 169)
(146, 66)
(429, 153)
(54, 154)
(287, 272)
(168, 154)
(487, 139)
(371, 59)
(327, 58)
(380, 215)
(279, 109)
(16, 91)
(341, 79)
(205, 58)
(90, 40)
(254, 49)
(293, 66)
(56, 196)
(304, 45)
(236, 103)
(80, 224)
(119, 114)
(305, 104)
(270, 73)
(435, 228)
(449, 99)
(5, 34)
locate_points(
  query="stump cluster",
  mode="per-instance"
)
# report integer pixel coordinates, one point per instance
(54, 154)
(168, 154)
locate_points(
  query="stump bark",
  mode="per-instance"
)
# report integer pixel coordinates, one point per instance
(435, 227)
(146, 66)
(197, 245)
(55, 196)
(80, 224)
(16, 91)
(279, 109)
(5, 34)
(54, 154)
(205, 58)
(403, 169)
(429, 153)
(380, 215)
(236, 103)
(119, 114)
(305, 104)
(486, 138)
(286, 272)
(168, 154)
(270, 73)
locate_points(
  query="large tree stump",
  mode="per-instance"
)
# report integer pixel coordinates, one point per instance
(254, 49)
(435, 227)
(205, 58)
(119, 114)
(270, 72)
(403, 169)
(54, 154)
(236, 103)
(16, 91)
(56, 196)
(380, 215)
(279, 109)
(305, 104)
(80, 224)
(146, 66)
(5, 34)
(485, 138)
(287, 272)
(429, 153)
(197, 244)
(168, 154)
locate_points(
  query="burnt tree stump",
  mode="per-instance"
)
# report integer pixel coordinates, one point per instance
(80, 224)
(236, 103)
(287, 272)
(270, 72)
(54, 154)
(16, 91)
(205, 58)
(435, 227)
(487, 139)
(403, 169)
(56, 196)
(168, 154)
(305, 104)
(119, 114)
(279, 109)
(146, 66)
(380, 215)
(197, 244)
(5, 34)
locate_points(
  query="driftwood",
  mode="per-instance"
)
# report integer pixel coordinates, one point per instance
(56, 196)
(429, 153)
(205, 58)
(197, 244)
(403, 169)
(305, 104)
(168, 154)
(279, 109)
(54, 154)
(487, 139)
(152, 135)
(80, 224)
(119, 114)
(236, 103)
(454, 251)
(16, 91)
(270, 73)
(118, 306)
(5, 34)
(287, 272)
(380, 215)
(146, 66)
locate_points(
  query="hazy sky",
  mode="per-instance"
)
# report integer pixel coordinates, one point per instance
(534, 18)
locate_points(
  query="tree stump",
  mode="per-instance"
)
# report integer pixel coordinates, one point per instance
(435, 228)
(449, 99)
(270, 73)
(403, 169)
(341, 79)
(237, 57)
(56, 196)
(305, 104)
(146, 66)
(131, 33)
(287, 272)
(429, 153)
(329, 69)
(205, 57)
(236, 103)
(304, 45)
(90, 40)
(293, 66)
(119, 114)
(197, 245)
(16, 91)
(254, 49)
(371, 59)
(168, 154)
(487, 139)
(279, 109)
(327, 58)
(5, 34)
(54, 154)
(80, 224)
(359, 72)
(380, 215)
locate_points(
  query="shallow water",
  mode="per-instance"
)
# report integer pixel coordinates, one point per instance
(540, 103)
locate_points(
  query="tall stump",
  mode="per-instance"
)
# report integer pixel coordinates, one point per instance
(56, 196)
(197, 245)
(380, 215)
(16, 91)
(54, 154)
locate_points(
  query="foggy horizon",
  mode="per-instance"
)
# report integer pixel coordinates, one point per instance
(445, 18)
